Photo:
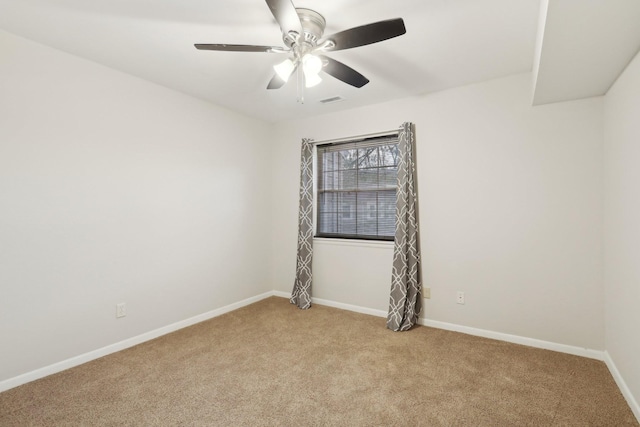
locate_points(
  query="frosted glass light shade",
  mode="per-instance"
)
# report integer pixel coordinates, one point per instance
(311, 64)
(311, 80)
(284, 69)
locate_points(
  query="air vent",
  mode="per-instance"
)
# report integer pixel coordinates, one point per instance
(330, 100)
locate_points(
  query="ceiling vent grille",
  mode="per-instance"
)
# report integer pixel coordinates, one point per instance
(330, 100)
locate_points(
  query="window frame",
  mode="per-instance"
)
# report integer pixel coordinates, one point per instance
(365, 140)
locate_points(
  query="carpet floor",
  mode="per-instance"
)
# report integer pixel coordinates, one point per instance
(271, 364)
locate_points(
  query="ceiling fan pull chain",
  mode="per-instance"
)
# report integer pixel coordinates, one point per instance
(300, 83)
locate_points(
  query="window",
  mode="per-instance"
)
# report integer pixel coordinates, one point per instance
(356, 188)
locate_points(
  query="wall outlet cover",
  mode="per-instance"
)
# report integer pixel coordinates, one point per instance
(121, 309)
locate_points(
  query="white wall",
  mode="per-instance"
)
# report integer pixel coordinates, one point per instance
(510, 211)
(114, 190)
(622, 226)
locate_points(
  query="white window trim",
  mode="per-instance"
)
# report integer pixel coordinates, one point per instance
(380, 244)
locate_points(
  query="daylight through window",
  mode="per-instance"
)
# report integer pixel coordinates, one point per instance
(356, 188)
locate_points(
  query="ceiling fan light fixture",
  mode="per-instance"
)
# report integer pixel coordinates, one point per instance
(284, 69)
(311, 80)
(311, 64)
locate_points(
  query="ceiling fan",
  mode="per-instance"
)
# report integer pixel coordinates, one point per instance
(302, 31)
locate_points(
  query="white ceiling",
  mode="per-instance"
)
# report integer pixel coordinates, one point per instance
(448, 43)
(583, 46)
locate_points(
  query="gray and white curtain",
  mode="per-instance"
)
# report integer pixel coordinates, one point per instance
(301, 294)
(405, 302)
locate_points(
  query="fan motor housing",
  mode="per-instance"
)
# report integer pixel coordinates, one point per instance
(313, 25)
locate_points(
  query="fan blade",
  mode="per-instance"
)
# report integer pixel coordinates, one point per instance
(285, 13)
(343, 72)
(366, 34)
(240, 48)
(276, 82)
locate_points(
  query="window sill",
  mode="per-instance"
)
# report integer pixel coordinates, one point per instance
(353, 242)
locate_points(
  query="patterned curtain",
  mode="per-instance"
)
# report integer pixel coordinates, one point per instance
(301, 294)
(405, 303)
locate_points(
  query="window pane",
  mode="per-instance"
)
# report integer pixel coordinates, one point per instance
(389, 155)
(346, 205)
(357, 188)
(368, 179)
(367, 213)
(387, 212)
(327, 222)
(388, 177)
(348, 159)
(327, 202)
(368, 157)
(347, 179)
(330, 161)
(326, 181)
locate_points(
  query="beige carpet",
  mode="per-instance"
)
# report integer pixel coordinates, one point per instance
(273, 364)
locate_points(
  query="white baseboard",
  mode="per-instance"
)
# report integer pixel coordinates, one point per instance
(516, 339)
(130, 342)
(622, 385)
(329, 303)
(531, 342)
(281, 294)
(349, 307)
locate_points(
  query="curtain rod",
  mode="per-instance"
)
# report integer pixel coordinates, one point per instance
(357, 137)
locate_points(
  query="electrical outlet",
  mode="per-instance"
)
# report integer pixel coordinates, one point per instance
(121, 309)
(426, 293)
(460, 297)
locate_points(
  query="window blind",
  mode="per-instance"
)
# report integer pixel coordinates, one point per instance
(356, 188)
